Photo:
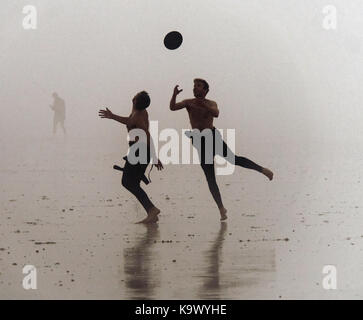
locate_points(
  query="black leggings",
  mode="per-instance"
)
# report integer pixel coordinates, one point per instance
(131, 178)
(208, 168)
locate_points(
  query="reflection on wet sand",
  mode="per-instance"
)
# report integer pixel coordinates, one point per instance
(210, 288)
(141, 278)
(218, 266)
(226, 271)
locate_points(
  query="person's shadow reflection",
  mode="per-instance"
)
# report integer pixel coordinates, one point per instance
(210, 288)
(140, 278)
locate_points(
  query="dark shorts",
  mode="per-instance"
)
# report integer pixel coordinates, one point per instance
(135, 171)
(207, 149)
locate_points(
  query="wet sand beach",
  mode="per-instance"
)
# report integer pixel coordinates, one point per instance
(63, 210)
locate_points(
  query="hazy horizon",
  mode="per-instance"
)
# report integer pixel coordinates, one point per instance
(275, 73)
(290, 89)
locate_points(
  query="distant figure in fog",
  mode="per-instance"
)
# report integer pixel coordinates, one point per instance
(59, 108)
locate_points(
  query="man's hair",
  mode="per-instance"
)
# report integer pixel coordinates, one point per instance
(205, 83)
(142, 100)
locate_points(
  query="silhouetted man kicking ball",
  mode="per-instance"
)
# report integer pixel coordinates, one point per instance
(201, 114)
(133, 173)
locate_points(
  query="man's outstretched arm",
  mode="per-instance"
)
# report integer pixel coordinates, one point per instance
(176, 106)
(109, 115)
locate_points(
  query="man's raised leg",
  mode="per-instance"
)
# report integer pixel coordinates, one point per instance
(244, 162)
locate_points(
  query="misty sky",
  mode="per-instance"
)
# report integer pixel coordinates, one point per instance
(278, 77)
(291, 89)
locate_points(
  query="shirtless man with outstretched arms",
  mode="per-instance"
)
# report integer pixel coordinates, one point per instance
(201, 115)
(133, 173)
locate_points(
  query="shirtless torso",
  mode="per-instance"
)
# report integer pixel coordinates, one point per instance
(201, 111)
(199, 116)
(138, 119)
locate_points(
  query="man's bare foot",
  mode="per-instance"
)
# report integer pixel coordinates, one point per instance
(223, 212)
(148, 220)
(152, 216)
(268, 173)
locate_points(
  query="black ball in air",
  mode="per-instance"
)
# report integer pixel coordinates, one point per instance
(173, 40)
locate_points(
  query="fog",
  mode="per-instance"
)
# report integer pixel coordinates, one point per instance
(290, 88)
(275, 72)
